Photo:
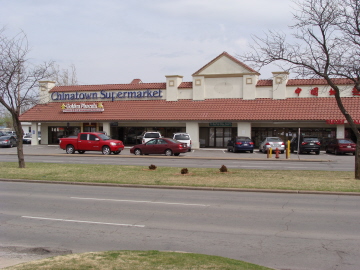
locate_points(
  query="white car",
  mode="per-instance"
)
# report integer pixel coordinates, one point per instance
(184, 138)
(148, 135)
(27, 138)
(273, 143)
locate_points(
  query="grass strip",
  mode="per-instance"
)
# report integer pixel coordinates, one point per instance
(332, 181)
(133, 260)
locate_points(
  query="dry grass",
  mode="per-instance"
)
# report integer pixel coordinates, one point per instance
(133, 260)
(199, 177)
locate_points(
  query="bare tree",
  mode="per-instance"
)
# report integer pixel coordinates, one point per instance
(64, 76)
(325, 43)
(19, 79)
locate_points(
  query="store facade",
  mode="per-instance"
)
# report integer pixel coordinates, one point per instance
(226, 98)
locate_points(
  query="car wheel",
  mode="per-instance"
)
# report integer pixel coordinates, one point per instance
(116, 152)
(168, 152)
(106, 150)
(336, 152)
(176, 154)
(327, 151)
(137, 152)
(229, 150)
(251, 151)
(317, 152)
(70, 149)
(353, 153)
(81, 151)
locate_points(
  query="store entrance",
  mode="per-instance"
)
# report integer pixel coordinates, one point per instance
(216, 137)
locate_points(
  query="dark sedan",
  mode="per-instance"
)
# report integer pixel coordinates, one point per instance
(341, 146)
(165, 146)
(8, 141)
(240, 144)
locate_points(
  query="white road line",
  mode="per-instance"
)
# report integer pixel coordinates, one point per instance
(83, 221)
(113, 200)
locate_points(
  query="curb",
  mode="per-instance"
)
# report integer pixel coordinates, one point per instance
(185, 187)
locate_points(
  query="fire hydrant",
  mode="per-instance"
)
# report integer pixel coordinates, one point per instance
(277, 153)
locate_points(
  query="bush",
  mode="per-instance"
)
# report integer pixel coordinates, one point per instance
(152, 167)
(223, 168)
(184, 171)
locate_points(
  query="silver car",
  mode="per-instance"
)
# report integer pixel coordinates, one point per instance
(273, 143)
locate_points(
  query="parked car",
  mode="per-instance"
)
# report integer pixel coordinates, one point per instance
(307, 144)
(91, 141)
(273, 143)
(148, 135)
(8, 141)
(165, 146)
(11, 133)
(27, 138)
(239, 144)
(184, 138)
(341, 146)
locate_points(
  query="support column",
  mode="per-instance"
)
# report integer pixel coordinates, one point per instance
(244, 129)
(35, 134)
(106, 128)
(193, 129)
(340, 131)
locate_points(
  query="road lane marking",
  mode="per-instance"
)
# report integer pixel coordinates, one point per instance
(84, 221)
(113, 200)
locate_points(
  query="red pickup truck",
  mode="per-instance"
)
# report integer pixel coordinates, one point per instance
(91, 141)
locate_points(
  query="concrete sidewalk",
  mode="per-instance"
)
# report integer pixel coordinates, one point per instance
(205, 153)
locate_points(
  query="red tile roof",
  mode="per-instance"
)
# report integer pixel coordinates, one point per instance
(291, 109)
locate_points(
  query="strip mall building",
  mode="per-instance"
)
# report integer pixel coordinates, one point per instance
(225, 98)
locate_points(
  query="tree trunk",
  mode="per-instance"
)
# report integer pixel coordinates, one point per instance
(19, 134)
(357, 160)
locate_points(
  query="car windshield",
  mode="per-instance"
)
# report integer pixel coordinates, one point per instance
(174, 141)
(152, 135)
(311, 139)
(104, 137)
(274, 139)
(27, 136)
(182, 137)
(243, 139)
(345, 141)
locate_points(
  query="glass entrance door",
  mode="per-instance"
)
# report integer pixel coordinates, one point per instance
(219, 136)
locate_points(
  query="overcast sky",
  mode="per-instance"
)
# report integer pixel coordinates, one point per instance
(116, 41)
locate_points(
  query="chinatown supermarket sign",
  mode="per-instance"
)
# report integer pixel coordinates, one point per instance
(82, 107)
(107, 95)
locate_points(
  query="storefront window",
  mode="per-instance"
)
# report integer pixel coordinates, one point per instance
(55, 133)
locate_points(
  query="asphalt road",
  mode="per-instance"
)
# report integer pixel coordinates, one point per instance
(202, 158)
(282, 231)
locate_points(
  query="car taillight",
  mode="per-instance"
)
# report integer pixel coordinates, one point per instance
(282, 143)
(303, 143)
(267, 143)
(251, 143)
(318, 143)
(6, 140)
(240, 143)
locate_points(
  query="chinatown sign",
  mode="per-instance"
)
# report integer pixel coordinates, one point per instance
(107, 95)
(340, 122)
(82, 107)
